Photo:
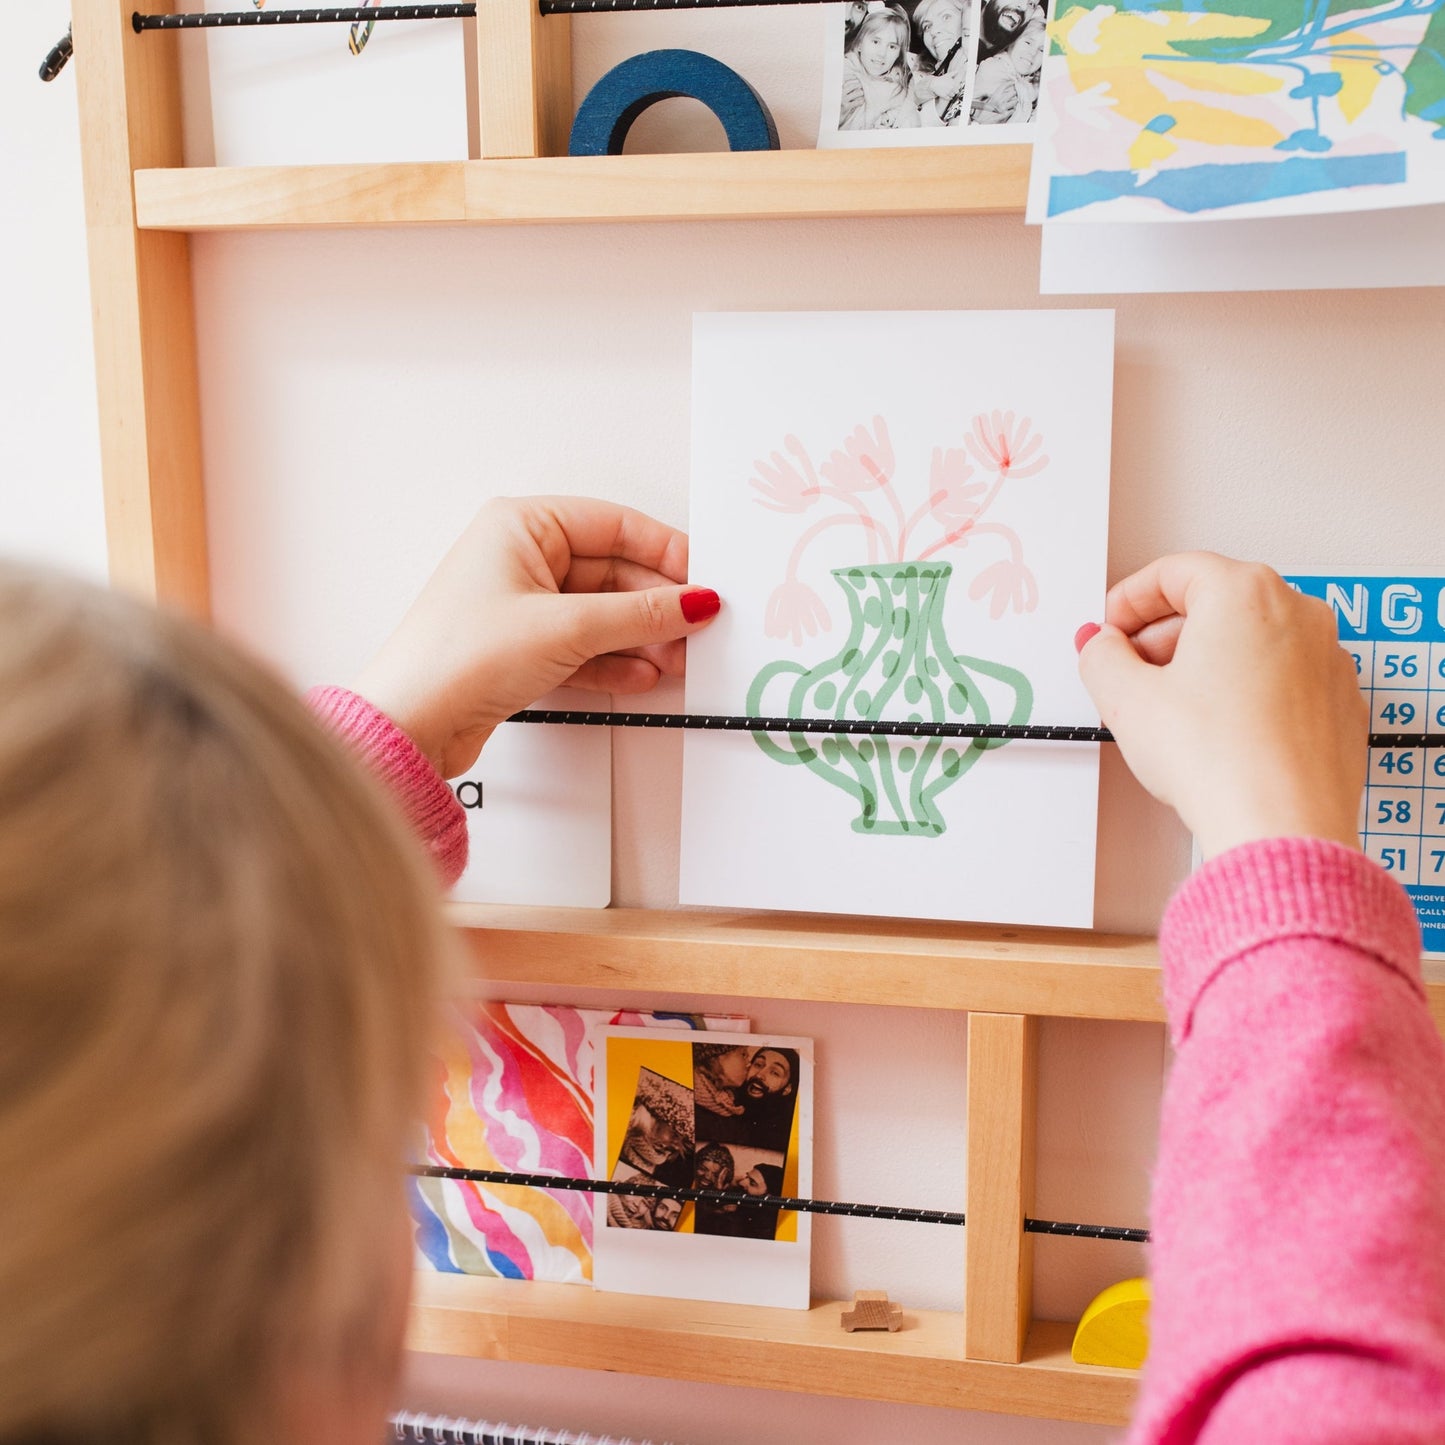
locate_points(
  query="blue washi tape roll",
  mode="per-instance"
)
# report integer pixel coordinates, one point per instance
(606, 115)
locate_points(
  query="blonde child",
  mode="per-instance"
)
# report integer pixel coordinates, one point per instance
(221, 958)
(877, 83)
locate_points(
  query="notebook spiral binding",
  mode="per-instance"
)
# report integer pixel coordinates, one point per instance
(411, 1427)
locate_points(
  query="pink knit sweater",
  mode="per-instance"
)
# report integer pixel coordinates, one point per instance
(429, 804)
(1298, 1263)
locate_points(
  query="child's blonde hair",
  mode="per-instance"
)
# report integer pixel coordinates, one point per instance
(220, 955)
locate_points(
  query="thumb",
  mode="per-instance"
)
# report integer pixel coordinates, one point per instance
(1111, 670)
(616, 621)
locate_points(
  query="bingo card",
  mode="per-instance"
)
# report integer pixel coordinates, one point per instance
(1394, 628)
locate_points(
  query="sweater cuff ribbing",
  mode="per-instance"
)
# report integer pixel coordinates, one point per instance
(430, 806)
(1263, 892)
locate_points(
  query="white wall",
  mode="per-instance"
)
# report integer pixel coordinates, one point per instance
(50, 502)
(362, 391)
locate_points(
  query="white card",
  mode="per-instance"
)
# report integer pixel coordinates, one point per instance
(296, 95)
(539, 813)
(722, 1111)
(906, 516)
(1366, 249)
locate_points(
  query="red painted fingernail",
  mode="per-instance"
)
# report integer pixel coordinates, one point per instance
(698, 606)
(1088, 631)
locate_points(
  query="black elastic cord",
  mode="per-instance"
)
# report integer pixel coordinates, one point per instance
(354, 14)
(60, 52)
(863, 727)
(763, 1201)
(857, 727)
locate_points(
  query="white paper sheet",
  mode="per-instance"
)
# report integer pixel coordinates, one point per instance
(539, 813)
(1366, 250)
(994, 430)
(636, 1254)
(296, 95)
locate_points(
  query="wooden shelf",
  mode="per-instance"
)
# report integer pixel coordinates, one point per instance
(775, 1349)
(1049, 973)
(1067, 973)
(726, 185)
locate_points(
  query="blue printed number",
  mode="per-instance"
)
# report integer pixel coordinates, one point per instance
(1440, 807)
(1393, 858)
(1397, 666)
(1393, 811)
(1400, 712)
(1438, 765)
(1402, 763)
(1438, 854)
(1360, 665)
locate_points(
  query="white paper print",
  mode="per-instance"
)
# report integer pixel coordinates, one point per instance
(539, 812)
(1352, 250)
(906, 516)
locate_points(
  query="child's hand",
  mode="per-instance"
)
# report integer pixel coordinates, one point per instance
(1232, 701)
(852, 96)
(998, 105)
(538, 592)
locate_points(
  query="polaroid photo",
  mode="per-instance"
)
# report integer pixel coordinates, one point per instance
(932, 72)
(734, 1114)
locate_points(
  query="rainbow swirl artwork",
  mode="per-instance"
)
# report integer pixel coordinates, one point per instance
(512, 1089)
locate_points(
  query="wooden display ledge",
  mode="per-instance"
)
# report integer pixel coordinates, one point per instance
(1060, 972)
(1048, 973)
(723, 185)
(772, 1349)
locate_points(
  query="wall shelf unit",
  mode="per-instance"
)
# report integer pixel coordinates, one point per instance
(141, 204)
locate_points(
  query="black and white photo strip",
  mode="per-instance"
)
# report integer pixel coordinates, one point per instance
(731, 1131)
(927, 72)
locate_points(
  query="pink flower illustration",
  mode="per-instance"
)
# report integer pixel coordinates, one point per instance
(787, 486)
(1011, 585)
(953, 497)
(865, 461)
(1005, 448)
(795, 610)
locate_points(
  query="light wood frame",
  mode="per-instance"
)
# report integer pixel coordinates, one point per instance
(140, 205)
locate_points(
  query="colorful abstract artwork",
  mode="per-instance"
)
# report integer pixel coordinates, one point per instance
(513, 1090)
(1180, 109)
(906, 515)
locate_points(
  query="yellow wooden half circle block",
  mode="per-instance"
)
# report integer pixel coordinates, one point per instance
(1115, 1328)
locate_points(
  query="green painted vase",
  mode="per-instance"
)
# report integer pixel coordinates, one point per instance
(895, 650)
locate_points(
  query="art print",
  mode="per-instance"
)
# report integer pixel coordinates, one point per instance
(1239, 109)
(931, 72)
(730, 1113)
(905, 514)
(513, 1089)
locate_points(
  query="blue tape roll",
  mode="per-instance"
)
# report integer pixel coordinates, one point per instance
(606, 115)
